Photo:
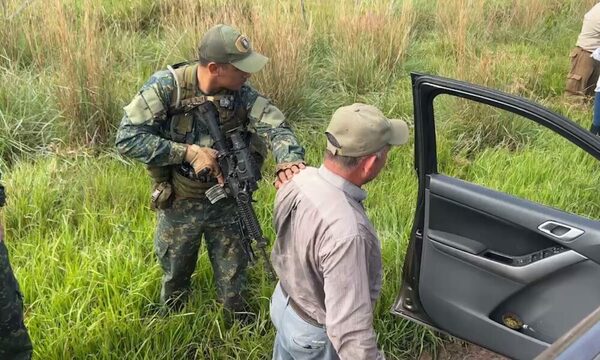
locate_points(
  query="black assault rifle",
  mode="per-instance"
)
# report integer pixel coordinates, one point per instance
(241, 175)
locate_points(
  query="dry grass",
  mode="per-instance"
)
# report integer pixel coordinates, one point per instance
(526, 14)
(460, 22)
(275, 29)
(369, 42)
(54, 37)
(82, 94)
(102, 51)
(288, 47)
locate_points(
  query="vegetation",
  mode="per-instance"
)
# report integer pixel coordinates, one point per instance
(79, 229)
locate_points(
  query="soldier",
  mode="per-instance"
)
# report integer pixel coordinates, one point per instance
(14, 339)
(161, 129)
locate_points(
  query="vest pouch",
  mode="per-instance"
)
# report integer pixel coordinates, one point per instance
(162, 196)
(181, 128)
(232, 114)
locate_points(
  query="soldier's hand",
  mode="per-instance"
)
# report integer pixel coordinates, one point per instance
(286, 171)
(204, 159)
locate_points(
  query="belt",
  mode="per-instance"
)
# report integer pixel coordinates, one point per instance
(584, 49)
(303, 315)
(188, 188)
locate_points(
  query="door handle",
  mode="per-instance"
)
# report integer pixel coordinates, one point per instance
(560, 231)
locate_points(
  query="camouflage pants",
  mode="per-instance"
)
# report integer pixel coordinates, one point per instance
(14, 339)
(177, 241)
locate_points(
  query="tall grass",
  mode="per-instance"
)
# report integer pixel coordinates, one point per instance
(27, 117)
(82, 249)
(333, 53)
(78, 226)
(276, 29)
(368, 43)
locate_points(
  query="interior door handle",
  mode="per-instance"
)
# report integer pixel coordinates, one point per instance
(560, 231)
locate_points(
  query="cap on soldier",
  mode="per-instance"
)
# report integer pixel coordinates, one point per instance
(359, 129)
(225, 45)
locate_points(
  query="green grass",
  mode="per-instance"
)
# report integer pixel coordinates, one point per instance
(79, 229)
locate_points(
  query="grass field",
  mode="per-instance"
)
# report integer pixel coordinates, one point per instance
(79, 229)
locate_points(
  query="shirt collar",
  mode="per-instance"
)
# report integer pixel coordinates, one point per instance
(339, 182)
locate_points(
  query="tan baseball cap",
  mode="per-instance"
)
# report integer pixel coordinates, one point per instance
(225, 45)
(359, 129)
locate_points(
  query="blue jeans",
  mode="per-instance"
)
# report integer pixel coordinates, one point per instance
(296, 339)
(596, 120)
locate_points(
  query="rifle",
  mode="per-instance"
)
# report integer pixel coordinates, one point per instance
(241, 175)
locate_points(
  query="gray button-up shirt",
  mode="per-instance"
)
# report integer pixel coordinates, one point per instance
(328, 258)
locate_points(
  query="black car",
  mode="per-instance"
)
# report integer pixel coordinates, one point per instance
(499, 271)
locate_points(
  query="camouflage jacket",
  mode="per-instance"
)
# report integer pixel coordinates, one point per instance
(145, 130)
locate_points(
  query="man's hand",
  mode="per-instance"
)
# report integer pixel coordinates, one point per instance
(204, 159)
(284, 172)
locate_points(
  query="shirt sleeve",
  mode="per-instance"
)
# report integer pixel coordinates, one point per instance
(138, 135)
(348, 307)
(269, 123)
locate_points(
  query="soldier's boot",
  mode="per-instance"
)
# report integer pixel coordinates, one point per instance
(236, 309)
(595, 129)
(232, 295)
(176, 283)
(174, 302)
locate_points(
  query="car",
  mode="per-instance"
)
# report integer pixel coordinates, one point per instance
(496, 270)
(581, 342)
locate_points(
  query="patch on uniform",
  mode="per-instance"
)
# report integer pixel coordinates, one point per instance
(258, 108)
(242, 44)
(144, 107)
(272, 116)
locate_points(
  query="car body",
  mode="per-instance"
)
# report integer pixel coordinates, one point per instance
(499, 271)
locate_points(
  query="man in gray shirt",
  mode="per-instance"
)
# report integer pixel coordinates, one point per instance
(327, 255)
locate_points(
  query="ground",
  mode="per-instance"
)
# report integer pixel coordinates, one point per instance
(458, 350)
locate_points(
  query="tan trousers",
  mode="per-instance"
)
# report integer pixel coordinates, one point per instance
(584, 73)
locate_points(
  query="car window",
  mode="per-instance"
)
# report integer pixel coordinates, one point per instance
(512, 154)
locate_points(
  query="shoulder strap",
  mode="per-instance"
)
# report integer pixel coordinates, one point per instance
(185, 80)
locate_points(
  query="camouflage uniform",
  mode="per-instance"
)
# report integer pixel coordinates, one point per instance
(14, 339)
(149, 139)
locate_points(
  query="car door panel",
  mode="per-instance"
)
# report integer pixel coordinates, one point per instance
(502, 272)
(489, 263)
(510, 212)
(554, 304)
(522, 274)
(457, 303)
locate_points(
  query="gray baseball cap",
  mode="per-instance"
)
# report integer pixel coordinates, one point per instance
(359, 129)
(225, 45)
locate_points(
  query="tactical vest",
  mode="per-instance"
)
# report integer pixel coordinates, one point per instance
(232, 115)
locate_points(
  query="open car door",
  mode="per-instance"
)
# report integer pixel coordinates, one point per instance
(502, 272)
